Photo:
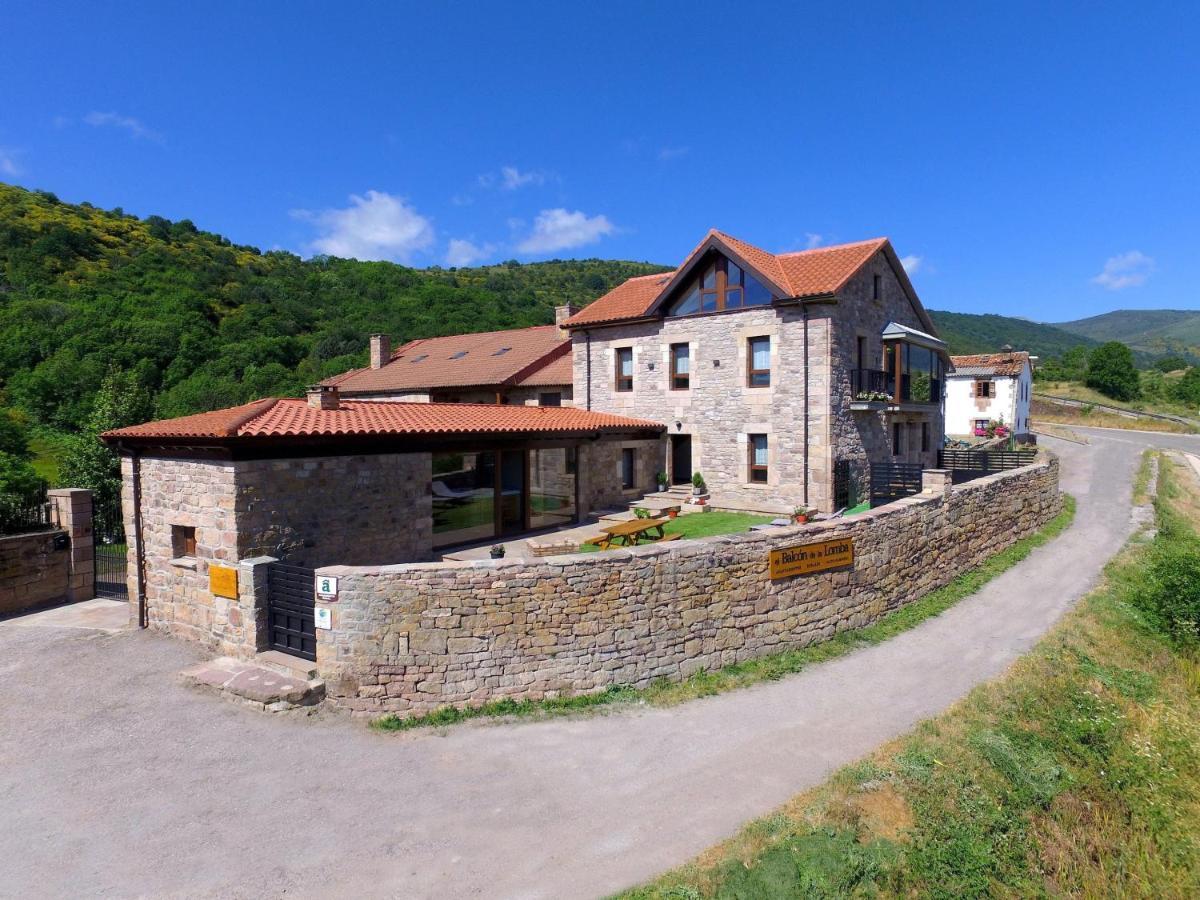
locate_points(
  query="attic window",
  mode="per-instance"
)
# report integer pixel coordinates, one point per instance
(459, 355)
(501, 351)
(417, 359)
(722, 284)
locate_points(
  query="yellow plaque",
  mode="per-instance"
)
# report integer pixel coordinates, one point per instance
(222, 581)
(809, 558)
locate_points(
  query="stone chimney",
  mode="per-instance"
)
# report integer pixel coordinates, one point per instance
(381, 350)
(324, 396)
(561, 314)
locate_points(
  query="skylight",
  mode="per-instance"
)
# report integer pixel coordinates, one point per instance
(501, 351)
(459, 355)
(417, 359)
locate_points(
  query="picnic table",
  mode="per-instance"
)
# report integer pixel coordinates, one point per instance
(627, 534)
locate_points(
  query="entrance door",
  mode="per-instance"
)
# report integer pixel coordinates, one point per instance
(291, 625)
(681, 459)
(513, 467)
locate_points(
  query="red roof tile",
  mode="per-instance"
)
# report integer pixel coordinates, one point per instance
(295, 418)
(460, 360)
(1009, 363)
(556, 373)
(807, 273)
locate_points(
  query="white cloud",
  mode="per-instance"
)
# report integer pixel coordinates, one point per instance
(911, 264)
(1125, 270)
(112, 120)
(376, 226)
(666, 154)
(812, 240)
(558, 229)
(512, 178)
(8, 162)
(465, 253)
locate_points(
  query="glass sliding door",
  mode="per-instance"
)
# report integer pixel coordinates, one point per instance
(551, 487)
(464, 497)
(512, 491)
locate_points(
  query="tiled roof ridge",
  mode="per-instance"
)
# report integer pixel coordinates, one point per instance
(791, 254)
(236, 424)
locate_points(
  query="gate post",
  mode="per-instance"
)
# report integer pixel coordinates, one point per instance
(73, 513)
(937, 481)
(252, 598)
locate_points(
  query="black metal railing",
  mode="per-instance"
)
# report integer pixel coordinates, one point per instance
(110, 551)
(965, 465)
(867, 384)
(27, 510)
(893, 481)
(869, 381)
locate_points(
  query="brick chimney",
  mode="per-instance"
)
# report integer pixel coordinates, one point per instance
(561, 314)
(324, 396)
(381, 350)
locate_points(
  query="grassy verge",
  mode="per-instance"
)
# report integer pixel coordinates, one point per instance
(707, 524)
(1076, 774)
(1043, 412)
(767, 668)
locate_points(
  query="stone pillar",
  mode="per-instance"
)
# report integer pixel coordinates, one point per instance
(936, 481)
(252, 600)
(73, 513)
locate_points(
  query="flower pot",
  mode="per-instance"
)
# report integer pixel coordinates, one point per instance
(800, 520)
(497, 553)
(697, 492)
(672, 513)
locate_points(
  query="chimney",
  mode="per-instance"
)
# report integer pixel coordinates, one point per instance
(381, 351)
(561, 314)
(323, 396)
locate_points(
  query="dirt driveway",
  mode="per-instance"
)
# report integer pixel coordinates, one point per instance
(117, 781)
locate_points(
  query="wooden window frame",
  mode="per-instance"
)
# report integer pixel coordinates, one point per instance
(183, 541)
(624, 383)
(753, 469)
(676, 377)
(750, 370)
(987, 392)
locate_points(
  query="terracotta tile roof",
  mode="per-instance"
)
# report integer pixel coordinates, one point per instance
(556, 373)
(1009, 363)
(295, 418)
(460, 360)
(806, 273)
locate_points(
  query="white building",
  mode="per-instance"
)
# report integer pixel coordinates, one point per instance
(989, 387)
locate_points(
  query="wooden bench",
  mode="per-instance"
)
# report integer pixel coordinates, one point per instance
(603, 541)
(673, 536)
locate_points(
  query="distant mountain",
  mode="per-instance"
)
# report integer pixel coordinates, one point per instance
(972, 333)
(1153, 331)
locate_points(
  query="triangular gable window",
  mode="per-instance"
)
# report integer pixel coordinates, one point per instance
(720, 284)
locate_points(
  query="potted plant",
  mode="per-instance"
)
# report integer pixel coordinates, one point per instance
(641, 512)
(672, 512)
(497, 551)
(800, 515)
(698, 486)
(662, 480)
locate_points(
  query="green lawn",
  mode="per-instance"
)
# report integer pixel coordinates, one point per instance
(47, 448)
(707, 524)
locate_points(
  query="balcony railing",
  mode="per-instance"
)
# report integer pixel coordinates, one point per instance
(869, 381)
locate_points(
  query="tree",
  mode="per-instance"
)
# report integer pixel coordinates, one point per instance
(1170, 363)
(1111, 371)
(1187, 388)
(88, 462)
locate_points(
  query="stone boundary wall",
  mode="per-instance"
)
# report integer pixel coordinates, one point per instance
(33, 572)
(411, 638)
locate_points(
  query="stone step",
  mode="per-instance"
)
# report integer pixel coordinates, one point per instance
(255, 685)
(286, 664)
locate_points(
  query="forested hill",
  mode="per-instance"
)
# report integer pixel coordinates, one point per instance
(205, 323)
(973, 333)
(1158, 331)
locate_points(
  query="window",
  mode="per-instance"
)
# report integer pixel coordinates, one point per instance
(722, 284)
(924, 437)
(984, 389)
(460, 354)
(758, 360)
(571, 463)
(877, 287)
(550, 398)
(897, 438)
(183, 540)
(861, 356)
(501, 351)
(681, 365)
(758, 458)
(417, 359)
(624, 368)
(628, 477)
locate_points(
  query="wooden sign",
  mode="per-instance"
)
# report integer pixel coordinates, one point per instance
(808, 558)
(222, 581)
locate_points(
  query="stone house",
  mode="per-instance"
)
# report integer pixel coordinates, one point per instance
(989, 387)
(526, 366)
(323, 480)
(779, 377)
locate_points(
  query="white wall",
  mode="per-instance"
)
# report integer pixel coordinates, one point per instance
(963, 407)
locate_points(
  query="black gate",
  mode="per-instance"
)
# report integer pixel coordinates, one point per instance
(109, 549)
(845, 485)
(290, 617)
(965, 465)
(892, 481)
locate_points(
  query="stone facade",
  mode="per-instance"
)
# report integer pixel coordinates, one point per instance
(519, 395)
(307, 511)
(720, 411)
(412, 638)
(33, 571)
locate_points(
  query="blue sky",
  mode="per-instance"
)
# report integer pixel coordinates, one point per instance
(1027, 161)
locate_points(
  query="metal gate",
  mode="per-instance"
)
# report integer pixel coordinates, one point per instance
(290, 619)
(109, 550)
(845, 485)
(892, 481)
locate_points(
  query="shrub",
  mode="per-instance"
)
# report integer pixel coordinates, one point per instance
(1170, 595)
(1111, 371)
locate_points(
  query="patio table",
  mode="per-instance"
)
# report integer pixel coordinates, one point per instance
(628, 533)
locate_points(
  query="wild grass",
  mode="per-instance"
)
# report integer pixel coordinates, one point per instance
(1044, 412)
(767, 668)
(1076, 774)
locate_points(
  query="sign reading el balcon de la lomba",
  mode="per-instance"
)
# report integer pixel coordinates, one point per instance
(807, 558)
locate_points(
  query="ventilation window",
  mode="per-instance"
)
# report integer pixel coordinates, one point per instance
(501, 351)
(183, 540)
(459, 355)
(417, 359)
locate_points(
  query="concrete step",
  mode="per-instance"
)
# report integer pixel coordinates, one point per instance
(286, 664)
(255, 685)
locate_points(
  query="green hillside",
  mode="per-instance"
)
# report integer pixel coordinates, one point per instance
(1155, 331)
(204, 323)
(971, 333)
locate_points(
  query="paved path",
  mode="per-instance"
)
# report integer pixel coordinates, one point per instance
(117, 780)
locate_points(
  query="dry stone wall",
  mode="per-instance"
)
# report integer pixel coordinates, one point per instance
(412, 638)
(33, 572)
